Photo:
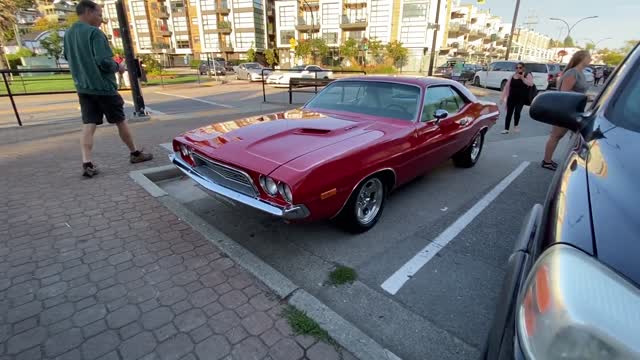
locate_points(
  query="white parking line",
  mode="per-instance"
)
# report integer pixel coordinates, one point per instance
(150, 110)
(196, 99)
(168, 146)
(395, 282)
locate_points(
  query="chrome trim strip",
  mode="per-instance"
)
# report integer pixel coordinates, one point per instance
(395, 178)
(204, 158)
(290, 212)
(486, 116)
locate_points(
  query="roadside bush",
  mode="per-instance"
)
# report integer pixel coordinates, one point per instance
(153, 65)
(195, 63)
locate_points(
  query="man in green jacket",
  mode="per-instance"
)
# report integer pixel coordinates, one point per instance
(93, 69)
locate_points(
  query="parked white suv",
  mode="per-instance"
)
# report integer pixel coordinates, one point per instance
(499, 72)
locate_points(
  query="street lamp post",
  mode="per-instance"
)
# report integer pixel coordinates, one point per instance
(596, 43)
(569, 28)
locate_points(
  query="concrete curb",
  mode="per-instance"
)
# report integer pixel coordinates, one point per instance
(341, 330)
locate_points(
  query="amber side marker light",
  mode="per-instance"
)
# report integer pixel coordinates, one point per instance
(328, 194)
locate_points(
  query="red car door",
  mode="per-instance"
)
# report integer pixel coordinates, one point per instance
(436, 140)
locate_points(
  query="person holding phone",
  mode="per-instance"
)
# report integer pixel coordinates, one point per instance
(515, 95)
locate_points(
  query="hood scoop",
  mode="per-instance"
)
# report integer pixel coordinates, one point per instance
(308, 131)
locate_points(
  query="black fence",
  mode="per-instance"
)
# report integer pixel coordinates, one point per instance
(314, 81)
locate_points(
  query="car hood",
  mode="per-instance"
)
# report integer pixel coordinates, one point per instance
(613, 171)
(257, 71)
(263, 143)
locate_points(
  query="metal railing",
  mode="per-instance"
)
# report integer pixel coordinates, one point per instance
(270, 70)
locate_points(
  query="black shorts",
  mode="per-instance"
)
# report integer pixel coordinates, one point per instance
(95, 107)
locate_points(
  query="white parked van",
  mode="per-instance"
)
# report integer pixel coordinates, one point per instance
(499, 72)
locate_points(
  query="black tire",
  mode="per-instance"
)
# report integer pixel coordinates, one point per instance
(348, 217)
(476, 81)
(467, 157)
(503, 84)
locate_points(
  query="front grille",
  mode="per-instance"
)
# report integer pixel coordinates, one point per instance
(224, 175)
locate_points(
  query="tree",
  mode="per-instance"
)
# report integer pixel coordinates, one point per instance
(629, 45)
(590, 46)
(7, 19)
(349, 49)
(24, 52)
(251, 54)
(612, 57)
(303, 49)
(53, 45)
(376, 49)
(120, 51)
(24, 4)
(44, 24)
(397, 53)
(271, 57)
(568, 42)
(70, 20)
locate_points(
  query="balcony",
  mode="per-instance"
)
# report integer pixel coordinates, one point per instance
(476, 34)
(161, 13)
(355, 3)
(224, 27)
(313, 3)
(458, 29)
(305, 26)
(165, 33)
(457, 15)
(226, 48)
(355, 24)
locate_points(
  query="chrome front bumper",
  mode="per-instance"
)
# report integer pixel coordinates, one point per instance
(291, 212)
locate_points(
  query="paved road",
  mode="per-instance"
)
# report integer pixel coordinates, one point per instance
(445, 309)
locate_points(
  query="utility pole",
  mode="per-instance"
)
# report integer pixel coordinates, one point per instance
(435, 39)
(136, 94)
(513, 29)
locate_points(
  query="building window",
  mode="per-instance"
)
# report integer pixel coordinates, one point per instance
(355, 15)
(144, 42)
(207, 5)
(142, 27)
(415, 11)
(379, 32)
(183, 44)
(330, 14)
(286, 35)
(287, 16)
(380, 12)
(209, 22)
(180, 24)
(194, 21)
(330, 37)
(138, 8)
(242, 3)
(245, 40)
(192, 3)
(211, 41)
(355, 35)
(243, 20)
(413, 35)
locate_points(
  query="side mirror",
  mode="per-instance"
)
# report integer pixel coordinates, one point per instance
(439, 115)
(561, 109)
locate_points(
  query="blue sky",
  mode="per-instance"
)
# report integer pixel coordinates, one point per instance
(618, 19)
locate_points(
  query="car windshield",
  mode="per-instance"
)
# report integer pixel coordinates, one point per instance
(536, 68)
(624, 111)
(375, 98)
(252, 66)
(298, 68)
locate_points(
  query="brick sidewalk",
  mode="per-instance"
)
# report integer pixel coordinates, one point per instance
(98, 269)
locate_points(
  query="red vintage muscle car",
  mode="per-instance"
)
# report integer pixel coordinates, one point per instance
(341, 153)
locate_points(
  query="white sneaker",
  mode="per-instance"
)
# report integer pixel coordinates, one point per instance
(504, 132)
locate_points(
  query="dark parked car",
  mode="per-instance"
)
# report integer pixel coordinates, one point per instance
(572, 289)
(213, 68)
(467, 74)
(555, 71)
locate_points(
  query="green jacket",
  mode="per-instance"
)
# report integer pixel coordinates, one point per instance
(90, 58)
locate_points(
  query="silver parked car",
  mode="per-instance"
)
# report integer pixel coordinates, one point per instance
(251, 71)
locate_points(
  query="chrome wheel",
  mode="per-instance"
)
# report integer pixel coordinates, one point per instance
(369, 200)
(475, 147)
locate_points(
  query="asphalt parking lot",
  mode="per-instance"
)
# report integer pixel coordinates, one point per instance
(467, 219)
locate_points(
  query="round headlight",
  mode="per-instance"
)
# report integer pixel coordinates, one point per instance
(269, 185)
(285, 192)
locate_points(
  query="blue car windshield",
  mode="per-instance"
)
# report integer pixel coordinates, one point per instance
(375, 98)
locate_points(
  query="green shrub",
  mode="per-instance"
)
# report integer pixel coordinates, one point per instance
(195, 63)
(153, 65)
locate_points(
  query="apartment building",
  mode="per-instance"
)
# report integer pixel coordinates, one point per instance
(410, 21)
(56, 10)
(178, 31)
(479, 37)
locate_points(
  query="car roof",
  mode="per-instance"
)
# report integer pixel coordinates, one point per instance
(410, 80)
